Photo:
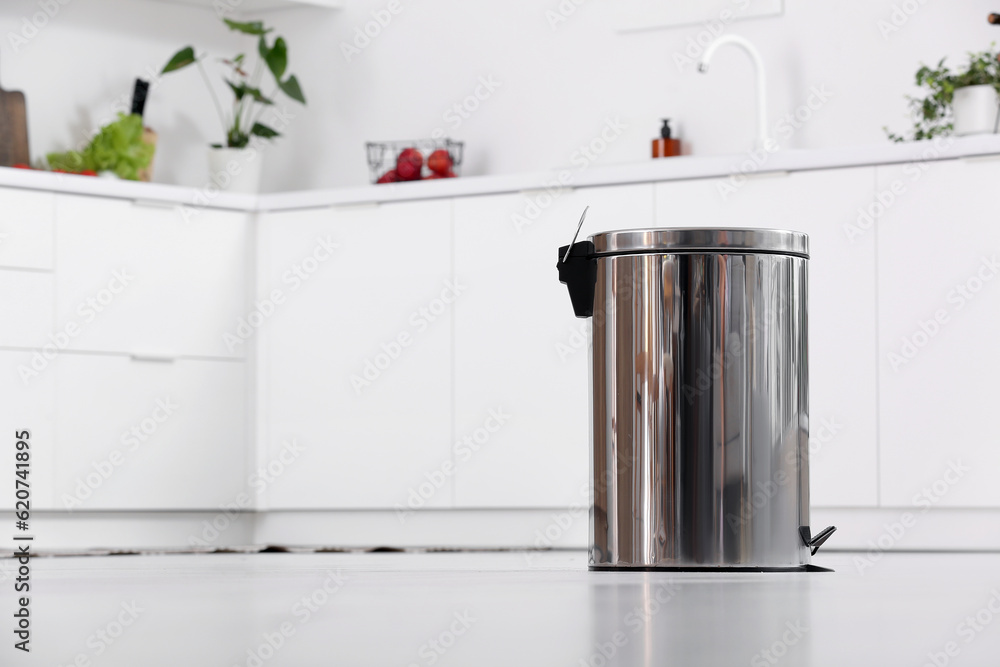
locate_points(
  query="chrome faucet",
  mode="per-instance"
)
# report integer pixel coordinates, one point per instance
(762, 136)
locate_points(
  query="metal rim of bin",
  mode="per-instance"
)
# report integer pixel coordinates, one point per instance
(701, 239)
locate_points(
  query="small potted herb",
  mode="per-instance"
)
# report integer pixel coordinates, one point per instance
(963, 102)
(234, 163)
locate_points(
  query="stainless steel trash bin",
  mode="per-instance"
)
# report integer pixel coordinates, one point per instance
(700, 397)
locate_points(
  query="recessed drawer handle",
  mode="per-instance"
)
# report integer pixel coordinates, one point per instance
(153, 358)
(154, 203)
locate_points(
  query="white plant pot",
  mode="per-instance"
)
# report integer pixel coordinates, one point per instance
(235, 169)
(975, 110)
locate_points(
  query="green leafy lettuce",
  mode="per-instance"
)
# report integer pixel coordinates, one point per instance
(117, 147)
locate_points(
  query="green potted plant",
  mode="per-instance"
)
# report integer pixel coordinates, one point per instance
(963, 102)
(235, 163)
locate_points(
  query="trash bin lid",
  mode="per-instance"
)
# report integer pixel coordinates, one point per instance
(669, 240)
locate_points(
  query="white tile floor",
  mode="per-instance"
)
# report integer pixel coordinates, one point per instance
(488, 609)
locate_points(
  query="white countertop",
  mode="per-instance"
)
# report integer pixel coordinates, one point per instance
(119, 189)
(646, 171)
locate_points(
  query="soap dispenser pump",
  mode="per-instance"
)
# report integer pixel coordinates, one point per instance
(666, 146)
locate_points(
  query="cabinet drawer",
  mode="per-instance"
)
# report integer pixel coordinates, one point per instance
(26, 226)
(152, 279)
(26, 303)
(135, 434)
(27, 400)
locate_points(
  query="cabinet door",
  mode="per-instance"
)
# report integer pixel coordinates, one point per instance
(134, 434)
(27, 394)
(150, 280)
(26, 224)
(842, 335)
(522, 417)
(939, 321)
(356, 363)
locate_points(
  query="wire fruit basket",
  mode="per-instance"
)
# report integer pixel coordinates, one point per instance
(423, 159)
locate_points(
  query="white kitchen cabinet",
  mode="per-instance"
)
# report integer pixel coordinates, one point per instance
(27, 394)
(356, 360)
(522, 417)
(26, 300)
(149, 435)
(26, 228)
(842, 315)
(939, 325)
(159, 281)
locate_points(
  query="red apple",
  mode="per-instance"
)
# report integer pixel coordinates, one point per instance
(439, 162)
(388, 177)
(409, 164)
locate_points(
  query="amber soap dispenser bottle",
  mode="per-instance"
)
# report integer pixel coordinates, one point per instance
(665, 146)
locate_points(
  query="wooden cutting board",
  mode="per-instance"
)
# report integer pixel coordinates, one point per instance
(13, 129)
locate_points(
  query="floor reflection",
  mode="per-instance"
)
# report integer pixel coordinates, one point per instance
(659, 618)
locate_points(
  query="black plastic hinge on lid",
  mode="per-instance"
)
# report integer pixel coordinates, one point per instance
(578, 271)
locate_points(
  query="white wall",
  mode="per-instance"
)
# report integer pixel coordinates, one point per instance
(557, 86)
